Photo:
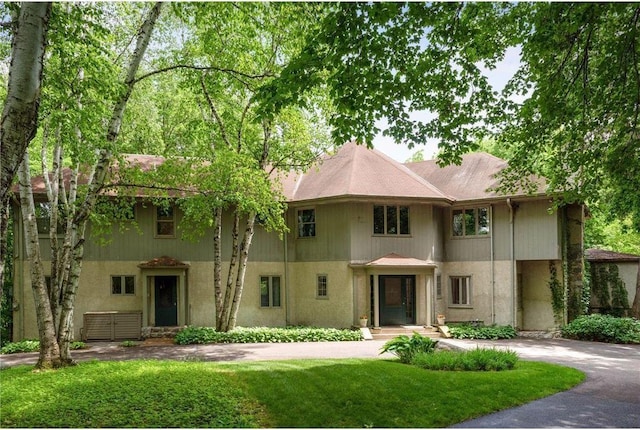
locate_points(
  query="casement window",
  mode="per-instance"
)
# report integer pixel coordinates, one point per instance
(123, 285)
(270, 291)
(470, 222)
(165, 221)
(438, 286)
(306, 222)
(390, 220)
(43, 219)
(460, 291)
(321, 287)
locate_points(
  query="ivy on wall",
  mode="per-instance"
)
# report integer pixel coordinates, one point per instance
(609, 291)
(557, 294)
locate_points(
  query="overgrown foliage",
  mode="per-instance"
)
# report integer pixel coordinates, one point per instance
(557, 294)
(406, 348)
(204, 335)
(474, 331)
(608, 290)
(479, 359)
(603, 328)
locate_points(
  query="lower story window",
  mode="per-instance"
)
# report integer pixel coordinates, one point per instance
(460, 290)
(123, 285)
(321, 289)
(269, 291)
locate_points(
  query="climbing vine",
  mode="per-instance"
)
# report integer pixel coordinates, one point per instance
(609, 290)
(557, 294)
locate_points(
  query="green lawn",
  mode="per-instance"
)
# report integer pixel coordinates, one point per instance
(301, 393)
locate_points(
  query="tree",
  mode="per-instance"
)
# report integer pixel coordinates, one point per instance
(570, 113)
(20, 111)
(232, 152)
(78, 131)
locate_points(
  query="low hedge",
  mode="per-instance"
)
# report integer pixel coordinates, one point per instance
(204, 335)
(603, 328)
(479, 359)
(471, 331)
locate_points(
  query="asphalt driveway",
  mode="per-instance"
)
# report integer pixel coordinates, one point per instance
(609, 397)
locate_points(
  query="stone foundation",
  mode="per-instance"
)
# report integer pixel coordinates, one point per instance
(160, 332)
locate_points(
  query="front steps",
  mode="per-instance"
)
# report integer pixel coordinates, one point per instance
(389, 332)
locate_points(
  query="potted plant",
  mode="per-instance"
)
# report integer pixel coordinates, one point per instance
(364, 318)
(441, 319)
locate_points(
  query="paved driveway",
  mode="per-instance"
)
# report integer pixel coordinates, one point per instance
(609, 397)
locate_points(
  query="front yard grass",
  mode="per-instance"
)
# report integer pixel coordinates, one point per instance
(294, 393)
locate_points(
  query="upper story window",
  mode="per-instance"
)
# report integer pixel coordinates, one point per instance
(390, 219)
(470, 222)
(43, 219)
(165, 221)
(306, 222)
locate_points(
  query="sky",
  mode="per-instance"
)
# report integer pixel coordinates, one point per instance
(498, 79)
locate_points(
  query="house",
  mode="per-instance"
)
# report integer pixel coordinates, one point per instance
(401, 243)
(610, 269)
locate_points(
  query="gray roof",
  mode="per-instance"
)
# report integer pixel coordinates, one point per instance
(602, 255)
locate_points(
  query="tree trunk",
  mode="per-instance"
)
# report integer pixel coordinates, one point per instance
(635, 308)
(242, 269)
(231, 276)
(217, 265)
(49, 349)
(20, 113)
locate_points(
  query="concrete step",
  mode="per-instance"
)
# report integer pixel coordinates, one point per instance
(389, 332)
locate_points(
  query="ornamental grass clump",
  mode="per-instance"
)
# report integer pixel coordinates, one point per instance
(479, 359)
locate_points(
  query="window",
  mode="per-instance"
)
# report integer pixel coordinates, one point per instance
(321, 288)
(390, 220)
(439, 286)
(306, 223)
(123, 285)
(461, 290)
(269, 291)
(165, 221)
(43, 218)
(470, 222)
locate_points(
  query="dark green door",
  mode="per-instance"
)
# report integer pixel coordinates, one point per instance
(166, 289)
(397, 299)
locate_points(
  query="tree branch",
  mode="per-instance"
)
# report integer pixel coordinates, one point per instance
(234, 72)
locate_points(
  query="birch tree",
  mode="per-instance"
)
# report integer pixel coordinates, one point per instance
(74, 128)
(20, 112)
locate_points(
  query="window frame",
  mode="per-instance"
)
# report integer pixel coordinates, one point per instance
(438, 286)
(322, 286)
(158, 221)
(402, 221)
(271, 296)
(301, 223)
(480, 230)
(123, 285)
(467, 286)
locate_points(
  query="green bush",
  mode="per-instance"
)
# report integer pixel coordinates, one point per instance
(479, 359)
(203, 335)
(405, 347)
(494, 332)
(603, 328)
(31, 345)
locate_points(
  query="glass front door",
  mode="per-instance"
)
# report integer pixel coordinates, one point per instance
(397, 299)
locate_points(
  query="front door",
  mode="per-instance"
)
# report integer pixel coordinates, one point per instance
(166, 306)
(397, 299)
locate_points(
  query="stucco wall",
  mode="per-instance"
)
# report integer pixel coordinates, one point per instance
(536, 311)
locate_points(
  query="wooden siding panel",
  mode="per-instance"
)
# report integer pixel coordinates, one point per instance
(331, 242)
(536, 232)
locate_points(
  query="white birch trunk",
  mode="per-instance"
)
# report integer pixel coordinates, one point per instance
(242, 270)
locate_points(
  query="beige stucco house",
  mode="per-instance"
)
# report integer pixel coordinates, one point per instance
(401, 243)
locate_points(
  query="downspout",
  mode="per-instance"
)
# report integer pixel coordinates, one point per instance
(493, 275)
(512, 261)
(286, 279)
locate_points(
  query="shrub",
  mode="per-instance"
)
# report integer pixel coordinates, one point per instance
(603, 328)
(33, 345)
(494, 332)
(128, 343)
(203, 335)
(405, 347)
(479, 359)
